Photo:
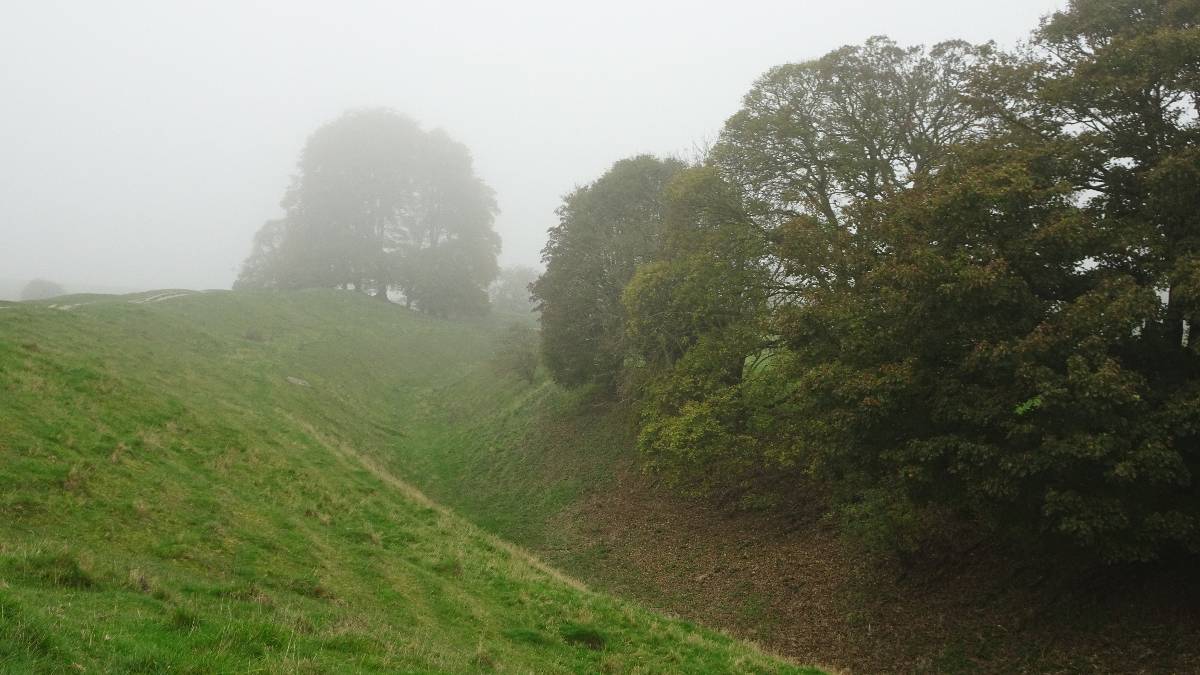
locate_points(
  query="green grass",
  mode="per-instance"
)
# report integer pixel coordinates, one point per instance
(212, 482)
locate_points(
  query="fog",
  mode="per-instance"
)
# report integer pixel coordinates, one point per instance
(143, 143)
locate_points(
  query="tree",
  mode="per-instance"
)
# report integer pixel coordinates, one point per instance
(510, 292)
(814, 139)
(986, 366)
(1116, 85)
(605, 231)
(264, 267)
(698, 327)
(379, 205)
(41, 289)
(1110, 88)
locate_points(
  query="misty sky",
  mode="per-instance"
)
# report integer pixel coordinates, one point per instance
(143, 143)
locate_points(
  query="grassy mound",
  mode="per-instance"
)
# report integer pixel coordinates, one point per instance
(205, 482)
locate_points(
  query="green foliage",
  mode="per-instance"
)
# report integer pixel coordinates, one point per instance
(858, 124)
(379, 205)
(761, 230)
(980, 366)
(696, 326)
(605, 231)
(709, 278)
(883, 521)
(448, 278)
(973, 296)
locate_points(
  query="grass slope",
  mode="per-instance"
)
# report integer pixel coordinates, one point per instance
(209, 482)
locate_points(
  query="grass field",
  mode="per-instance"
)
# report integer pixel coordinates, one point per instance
(201, 482)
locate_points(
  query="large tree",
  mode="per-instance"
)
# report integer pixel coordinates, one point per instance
(1116, 83)
(815, 138)
(380, 205)
(605, 230)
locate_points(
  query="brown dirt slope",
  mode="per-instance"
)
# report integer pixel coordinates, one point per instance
(795, 585)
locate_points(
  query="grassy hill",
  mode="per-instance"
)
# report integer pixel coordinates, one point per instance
(213, 482)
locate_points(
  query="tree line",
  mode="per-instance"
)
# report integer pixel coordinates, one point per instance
(946, 284)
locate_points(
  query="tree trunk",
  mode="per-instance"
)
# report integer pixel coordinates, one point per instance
(1174, 327)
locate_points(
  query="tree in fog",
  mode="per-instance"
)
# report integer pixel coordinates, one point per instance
(380, 205)
(605, 230)
(510, 292)
(41, 289)
(262, 267)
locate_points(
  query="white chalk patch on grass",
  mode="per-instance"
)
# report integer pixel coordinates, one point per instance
(159, 297)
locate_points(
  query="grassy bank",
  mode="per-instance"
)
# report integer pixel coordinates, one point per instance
(214, 482)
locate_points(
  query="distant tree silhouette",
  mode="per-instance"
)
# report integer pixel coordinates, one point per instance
(379, 205)
(510, 292)
(41, 289)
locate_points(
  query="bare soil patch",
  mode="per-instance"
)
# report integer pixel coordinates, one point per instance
(795, 585)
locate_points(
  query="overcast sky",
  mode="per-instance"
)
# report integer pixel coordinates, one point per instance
(143, 143)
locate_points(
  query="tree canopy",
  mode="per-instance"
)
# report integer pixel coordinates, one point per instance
(605, 230)
(380, 205)
(941, 283)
